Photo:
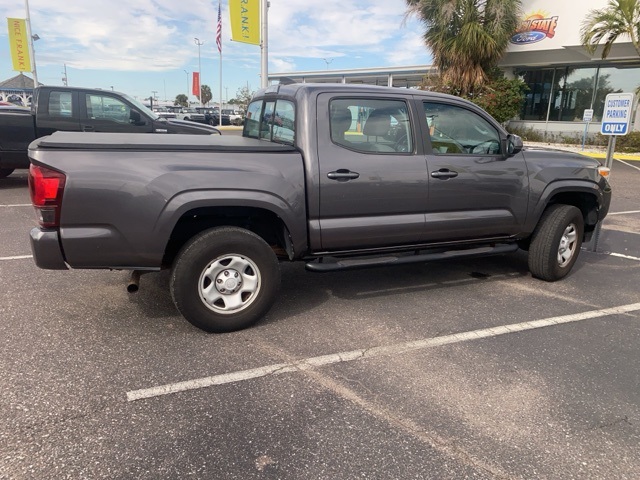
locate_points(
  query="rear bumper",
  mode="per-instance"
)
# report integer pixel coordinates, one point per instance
(47, 253)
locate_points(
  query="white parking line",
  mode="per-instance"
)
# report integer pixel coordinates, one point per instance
(16, 205)
(17, 257)
(624, 213)
(629, 257)
(628, 164)
(396, 349)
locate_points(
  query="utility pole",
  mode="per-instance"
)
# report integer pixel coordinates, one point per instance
(199, 44)
(64, 79)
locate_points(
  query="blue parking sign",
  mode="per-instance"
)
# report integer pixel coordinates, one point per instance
(616, 116)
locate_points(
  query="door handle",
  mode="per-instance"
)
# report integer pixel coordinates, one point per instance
(444, 173)
(343, 175)
(88, 128)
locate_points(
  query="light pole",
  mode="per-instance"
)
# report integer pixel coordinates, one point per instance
(187, 85)
(327, 62)
(199, 44)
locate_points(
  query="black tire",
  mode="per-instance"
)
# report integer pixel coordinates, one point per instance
(555, 243)
(231, 266)
(5, 172)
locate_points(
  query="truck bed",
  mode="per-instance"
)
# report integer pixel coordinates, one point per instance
(154, 142)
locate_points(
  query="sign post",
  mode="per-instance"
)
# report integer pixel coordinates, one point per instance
(616, 119)
(587, 116)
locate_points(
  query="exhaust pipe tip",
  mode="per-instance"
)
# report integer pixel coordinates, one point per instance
(134, 282)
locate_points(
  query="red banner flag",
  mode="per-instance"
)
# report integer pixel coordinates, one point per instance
(195, 90)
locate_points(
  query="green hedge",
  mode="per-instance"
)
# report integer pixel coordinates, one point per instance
(629, 143)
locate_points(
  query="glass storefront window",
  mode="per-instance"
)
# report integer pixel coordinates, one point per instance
(572, 90)
(537, 97)
(614, 80)
(573, 93)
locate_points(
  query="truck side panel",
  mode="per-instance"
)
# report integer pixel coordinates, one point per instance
(119, 209)
(17, 130)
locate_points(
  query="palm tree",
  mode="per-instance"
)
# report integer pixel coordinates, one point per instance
(467, 37)
(621, 18)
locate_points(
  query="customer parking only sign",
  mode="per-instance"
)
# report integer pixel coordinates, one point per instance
(617, 114)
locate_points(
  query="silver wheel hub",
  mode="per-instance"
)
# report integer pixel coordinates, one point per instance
(568, 243)
(229, 284)
(228, 281)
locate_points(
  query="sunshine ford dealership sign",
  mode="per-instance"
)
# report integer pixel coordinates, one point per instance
(535, 28)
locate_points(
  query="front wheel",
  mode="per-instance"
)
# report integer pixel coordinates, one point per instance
(556, 242)
(225, 279)
(5, 172)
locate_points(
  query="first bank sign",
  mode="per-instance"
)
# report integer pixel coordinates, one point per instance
(617, 114)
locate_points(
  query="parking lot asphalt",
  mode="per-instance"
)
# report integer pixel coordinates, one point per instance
(464, 369)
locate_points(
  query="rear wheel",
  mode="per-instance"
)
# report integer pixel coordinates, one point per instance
(5, 172)
(225, 279)
(556, 242)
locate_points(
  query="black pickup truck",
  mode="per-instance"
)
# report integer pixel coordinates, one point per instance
(80, 110)
(336, 176)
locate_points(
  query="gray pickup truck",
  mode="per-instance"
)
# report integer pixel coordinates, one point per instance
(337, 176)
(81, 110)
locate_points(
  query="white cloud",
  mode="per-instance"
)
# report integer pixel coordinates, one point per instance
(157, 35)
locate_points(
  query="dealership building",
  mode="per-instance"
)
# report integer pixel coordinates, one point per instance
(563, 78)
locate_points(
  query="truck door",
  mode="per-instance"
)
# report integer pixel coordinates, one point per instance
(474, 190)
(106, 113)
(373, 182)
(57, 110)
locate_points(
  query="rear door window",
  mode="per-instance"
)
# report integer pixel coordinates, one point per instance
(369, 125)
(60, 104)
(272, 120)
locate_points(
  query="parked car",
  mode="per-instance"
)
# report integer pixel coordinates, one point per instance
(212, 116)
(190, 114)
(78, 109)
(336, 176)
(235, 117)
(164, 112)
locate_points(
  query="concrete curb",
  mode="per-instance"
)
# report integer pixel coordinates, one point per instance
(618, 156)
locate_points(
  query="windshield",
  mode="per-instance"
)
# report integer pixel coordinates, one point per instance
(189, 110)
(141, 107)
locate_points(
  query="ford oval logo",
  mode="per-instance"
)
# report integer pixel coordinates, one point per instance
(524, 38)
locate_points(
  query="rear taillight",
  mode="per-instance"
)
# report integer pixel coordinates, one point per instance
(46, 187)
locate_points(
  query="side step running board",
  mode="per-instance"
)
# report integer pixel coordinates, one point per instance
(363, 262)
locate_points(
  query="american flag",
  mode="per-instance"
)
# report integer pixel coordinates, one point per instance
(219, 30)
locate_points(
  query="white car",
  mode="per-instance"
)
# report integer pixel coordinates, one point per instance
(164, 112)
(235, 116)
(189, 114)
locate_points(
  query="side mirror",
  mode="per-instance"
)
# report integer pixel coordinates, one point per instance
(514, 144)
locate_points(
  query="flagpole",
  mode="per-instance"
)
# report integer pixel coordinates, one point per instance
(264, 57)
(34, 72)
(219, 43)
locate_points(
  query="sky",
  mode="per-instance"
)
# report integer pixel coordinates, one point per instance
(141, 46)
